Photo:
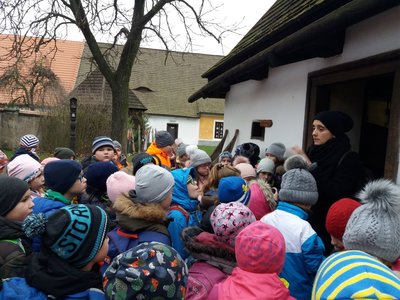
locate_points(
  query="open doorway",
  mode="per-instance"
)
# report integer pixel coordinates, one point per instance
(370, 95)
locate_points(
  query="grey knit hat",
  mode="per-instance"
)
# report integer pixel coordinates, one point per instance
(374, 227)
(117, 145)
(153, 184)
(277, 150)
(181, 150)
(266, 165)
(199, 157)
(164, 139)
(298, 185)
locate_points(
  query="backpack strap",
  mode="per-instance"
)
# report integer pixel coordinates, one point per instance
(181, 209)
(157, 159)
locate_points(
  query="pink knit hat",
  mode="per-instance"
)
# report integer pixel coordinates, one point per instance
(228, 219)
(24, 167)
(246, 170)
(260, 248)
(47, 160)
(119, 183)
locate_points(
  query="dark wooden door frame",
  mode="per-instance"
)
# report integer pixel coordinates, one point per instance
(385, 63)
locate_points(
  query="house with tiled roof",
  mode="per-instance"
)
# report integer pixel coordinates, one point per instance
(306, 56)
(62, 57)
(162, 85)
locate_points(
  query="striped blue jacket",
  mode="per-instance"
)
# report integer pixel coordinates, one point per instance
(355, 274)
(304, 249)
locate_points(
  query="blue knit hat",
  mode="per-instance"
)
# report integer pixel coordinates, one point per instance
(75, 232)
(102, 141)
(233, 188)
(60, 175)
(97, 174)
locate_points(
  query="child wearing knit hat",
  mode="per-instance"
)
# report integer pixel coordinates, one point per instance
(262, 200)
(214, 253)
(148, 271)
(15, 205)
(96, 189)
(119, 183)
(28, 145)
(74, 241)
(103, 149)
(64, 180)
(225, 158)
(260, 256)
(162, 148)
(304, 249)
(29, 170)
(141, 213)
(119, 157)
(336, 220)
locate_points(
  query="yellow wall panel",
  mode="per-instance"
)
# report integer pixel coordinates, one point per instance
(207, 126)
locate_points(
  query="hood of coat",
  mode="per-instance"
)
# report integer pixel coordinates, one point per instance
(201, 246)
(150, 212)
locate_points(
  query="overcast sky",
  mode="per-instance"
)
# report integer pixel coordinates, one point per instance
(245, 13)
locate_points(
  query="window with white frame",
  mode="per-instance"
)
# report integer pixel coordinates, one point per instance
(218, 129)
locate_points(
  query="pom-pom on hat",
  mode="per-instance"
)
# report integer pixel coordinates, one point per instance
(225, 154)
(119, 183)
(298, 185)
(338, 215)
(246, 170)
(260, 248)
(153, 184)
(61, 175)
(266, 165)
(228, 219)
(97, 174)
(233, 188)
(24, 167)
(276, 149)
(148, 271)
(251, 151)
(29, 141)
(337, 122)
(11, 191)
(75, 232)
(199, 157)
(163, 139)
(374, 227)
(102, 141)
(64, 153)
(141, 159)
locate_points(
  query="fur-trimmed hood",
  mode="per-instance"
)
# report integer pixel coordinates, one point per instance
(150, 212)
(138, 217)
(218, 255)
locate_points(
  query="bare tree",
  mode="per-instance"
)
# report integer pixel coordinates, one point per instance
(125, 23)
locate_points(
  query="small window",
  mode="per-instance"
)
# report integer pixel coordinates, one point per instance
(218, 130)
(257, 131)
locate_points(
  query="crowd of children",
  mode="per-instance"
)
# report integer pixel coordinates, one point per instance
(169, 224)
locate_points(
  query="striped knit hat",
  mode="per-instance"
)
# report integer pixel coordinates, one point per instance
(355, 275)
(29, 141)
(102, 141)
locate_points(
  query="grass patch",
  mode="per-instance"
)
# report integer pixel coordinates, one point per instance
(208, 149)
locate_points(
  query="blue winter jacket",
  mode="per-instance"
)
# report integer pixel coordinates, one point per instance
(304, 248)
(180, 196)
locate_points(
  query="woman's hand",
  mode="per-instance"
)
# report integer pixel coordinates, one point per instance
(296, 149)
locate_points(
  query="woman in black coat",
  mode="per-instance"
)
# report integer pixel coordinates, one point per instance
(336, 169)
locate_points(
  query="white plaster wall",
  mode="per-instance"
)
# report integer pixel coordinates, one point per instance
(188, 128)
(281, 97)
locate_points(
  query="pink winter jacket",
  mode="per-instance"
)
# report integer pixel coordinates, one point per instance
(250, 286)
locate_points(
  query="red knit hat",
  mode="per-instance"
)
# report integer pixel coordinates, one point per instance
(338, 215)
